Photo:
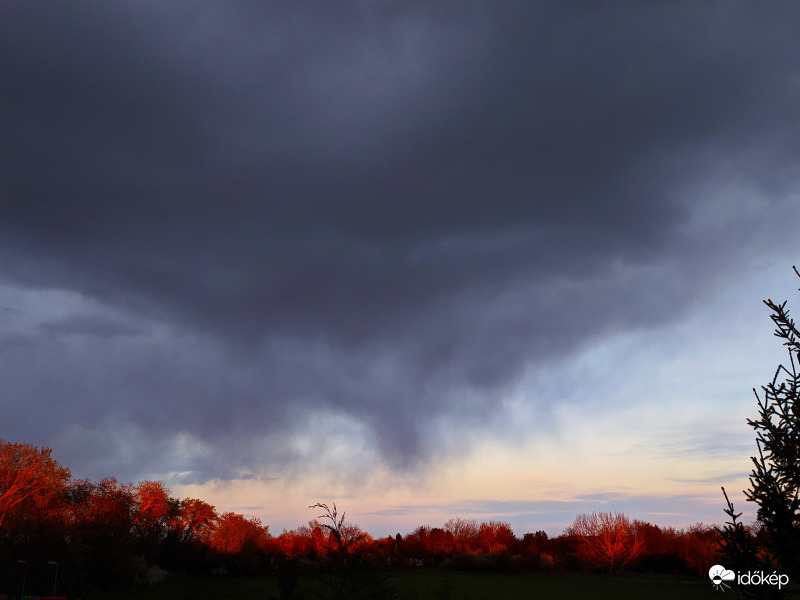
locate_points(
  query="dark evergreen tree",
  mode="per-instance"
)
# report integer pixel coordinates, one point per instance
(775, 480)
(738, 546)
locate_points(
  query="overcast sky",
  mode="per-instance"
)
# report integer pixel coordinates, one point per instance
(502, 260)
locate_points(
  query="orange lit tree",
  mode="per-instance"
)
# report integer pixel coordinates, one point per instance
(28, 475)
(193, 520)
(607, 540)
(234, 533)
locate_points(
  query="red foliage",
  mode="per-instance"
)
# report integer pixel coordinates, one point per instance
(464, 532)
(107, 504)
(124, 524)
(192, 520)
(151, 511)
(495, 536)
(233, 532)
(699, 547)
(28, 475)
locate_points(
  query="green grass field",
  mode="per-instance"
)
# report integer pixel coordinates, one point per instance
(424, 584)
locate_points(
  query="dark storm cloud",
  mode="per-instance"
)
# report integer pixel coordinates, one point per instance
(384, 209)
(88, 325)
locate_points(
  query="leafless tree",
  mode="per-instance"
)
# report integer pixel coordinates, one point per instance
(608, 540)
(345, 535)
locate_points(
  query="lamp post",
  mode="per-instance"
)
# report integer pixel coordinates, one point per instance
(24, 576)
(55, 580)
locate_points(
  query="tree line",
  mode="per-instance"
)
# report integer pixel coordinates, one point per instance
(106, 534)
(109, 535)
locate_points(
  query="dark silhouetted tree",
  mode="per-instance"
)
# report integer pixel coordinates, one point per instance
(345, 535)
(775, 479)
(736, 543)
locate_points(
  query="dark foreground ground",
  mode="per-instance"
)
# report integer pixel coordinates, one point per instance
(424, 584)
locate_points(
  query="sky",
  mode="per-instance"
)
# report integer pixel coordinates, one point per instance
(423, 259)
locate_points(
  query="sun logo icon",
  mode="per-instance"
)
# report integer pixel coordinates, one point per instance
(719, 575)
